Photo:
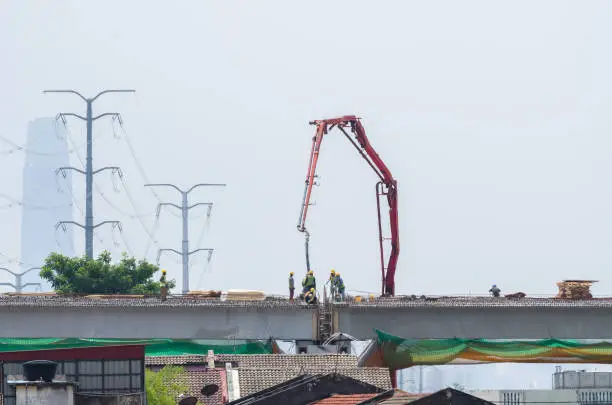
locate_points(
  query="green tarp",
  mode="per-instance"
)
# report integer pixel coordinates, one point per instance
(153, 347)
(397, 352)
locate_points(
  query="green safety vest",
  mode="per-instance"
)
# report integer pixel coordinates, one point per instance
(311, 282)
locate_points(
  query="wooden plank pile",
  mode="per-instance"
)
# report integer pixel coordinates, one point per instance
(575, 289)
(245, 295)
(204, 294)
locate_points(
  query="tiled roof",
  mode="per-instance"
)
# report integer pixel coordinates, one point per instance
(257, 372)
(315, 362)
(174, 360)
(345, 399)
(197, 378)
(253, 380)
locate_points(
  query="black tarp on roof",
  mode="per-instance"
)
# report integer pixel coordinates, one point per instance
(448, 396)
(305, 389)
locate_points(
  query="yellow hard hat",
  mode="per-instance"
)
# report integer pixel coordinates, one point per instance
(311, 272)
(164, 271)
(291, 273)
(333, 271)
(312, 290)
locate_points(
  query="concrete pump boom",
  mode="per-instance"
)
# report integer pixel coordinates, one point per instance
(387, 186)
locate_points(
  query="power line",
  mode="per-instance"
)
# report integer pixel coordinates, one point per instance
(150, 232)
(185, 207)
(135, 157)
(133, 204)
(136, 215)
(14, 202)
(206, 226)
(20, 148)
(89, 171)
(11, 259)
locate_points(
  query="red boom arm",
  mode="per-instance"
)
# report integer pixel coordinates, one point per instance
(387, 186)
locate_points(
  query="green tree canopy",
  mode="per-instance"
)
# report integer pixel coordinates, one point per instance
(164, 387)
(80, 275)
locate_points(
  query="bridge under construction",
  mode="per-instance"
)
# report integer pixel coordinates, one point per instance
(411, 318)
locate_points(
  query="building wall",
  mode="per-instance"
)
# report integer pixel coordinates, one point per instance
(572, 379)
(547, 397)
(106, 369)
(44, 205)
(47, 395)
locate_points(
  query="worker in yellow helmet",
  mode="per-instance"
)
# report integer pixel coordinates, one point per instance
(162, 279)
(311, 297)
(309, 281)
(340, 286)
(291, 286)
(332, 284)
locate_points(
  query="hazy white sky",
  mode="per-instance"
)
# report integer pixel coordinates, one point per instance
(493, 116)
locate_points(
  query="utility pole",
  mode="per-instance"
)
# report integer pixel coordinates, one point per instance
(185, 207)
(18, 286)
(89, 172)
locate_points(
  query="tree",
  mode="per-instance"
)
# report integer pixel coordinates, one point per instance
(163, 387)
(80, 275)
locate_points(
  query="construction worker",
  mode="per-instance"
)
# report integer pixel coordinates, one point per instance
(162, 279)
(311, 297)
(332, 284)
(340, 286)
(495, 291)
(309, 282)
(291, 286)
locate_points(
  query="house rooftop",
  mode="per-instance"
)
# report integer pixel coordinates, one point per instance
(351, 399)
(257, 372)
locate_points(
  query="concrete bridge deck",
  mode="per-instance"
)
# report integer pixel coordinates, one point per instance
(192, 318)
(478, 317)
(175, 318)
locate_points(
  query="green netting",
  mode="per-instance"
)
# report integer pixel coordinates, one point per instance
(153, 347)
(398, 352)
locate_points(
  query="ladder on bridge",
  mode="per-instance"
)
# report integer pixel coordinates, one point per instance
(325, 317)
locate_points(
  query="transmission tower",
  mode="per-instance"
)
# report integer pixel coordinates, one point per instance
(19, 286)
(185, 207)
(89, 172)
